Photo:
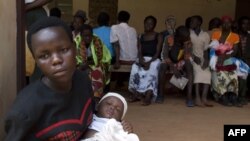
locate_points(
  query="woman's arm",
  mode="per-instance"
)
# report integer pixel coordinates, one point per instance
(117, 54)
(165, 51)
(140, 56)
(89, 133)
(36, 4)
(206, 59)
(158, 48)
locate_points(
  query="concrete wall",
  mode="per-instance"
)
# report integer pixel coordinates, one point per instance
(182, 9)
(7, 57)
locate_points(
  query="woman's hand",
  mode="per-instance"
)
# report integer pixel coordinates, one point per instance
(146, 65)
(127, 126)
(205, 64)
(222, 58)
(197, 60)
(167, 61)
(176, 72)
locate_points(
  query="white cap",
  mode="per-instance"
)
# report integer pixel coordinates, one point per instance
(125, 105)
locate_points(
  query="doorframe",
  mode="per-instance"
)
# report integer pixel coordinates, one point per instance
(20, 45)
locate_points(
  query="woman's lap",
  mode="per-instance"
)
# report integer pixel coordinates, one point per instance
(225, 81)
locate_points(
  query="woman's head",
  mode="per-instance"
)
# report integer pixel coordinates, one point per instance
(170, 22)
(86, 33)
(103, 19)
(112, 105)
(79, 19)
(214, 23)
(226, 23)
(244, 24)
(195, 22)
(123, 16)
(149, 23)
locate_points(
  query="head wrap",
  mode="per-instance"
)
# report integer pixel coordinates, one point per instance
(223, 18)
(125, 105)
(170, 18)
(82, 14)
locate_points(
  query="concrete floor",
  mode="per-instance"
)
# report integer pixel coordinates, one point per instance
(174, 121)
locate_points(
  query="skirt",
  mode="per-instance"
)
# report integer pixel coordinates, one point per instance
(143, 80)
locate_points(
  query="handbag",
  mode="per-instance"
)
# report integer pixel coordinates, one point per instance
(179, 82)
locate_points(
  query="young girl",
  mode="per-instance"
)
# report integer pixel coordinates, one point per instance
(144, 74)
(202, 75)
(177, 56)
(58, 106)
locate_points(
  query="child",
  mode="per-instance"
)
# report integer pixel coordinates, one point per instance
(107, 125)
(202, 75)
(94, 55)
(58, 106)
(177, 57)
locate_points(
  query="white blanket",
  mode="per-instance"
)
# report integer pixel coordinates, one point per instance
(112, 130)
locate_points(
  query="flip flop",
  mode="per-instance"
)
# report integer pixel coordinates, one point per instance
(190, 103)
(208, 105)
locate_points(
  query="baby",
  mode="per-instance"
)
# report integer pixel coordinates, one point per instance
(242, 69)
(106, 124)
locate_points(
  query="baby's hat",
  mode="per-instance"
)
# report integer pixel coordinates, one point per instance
(125, 105)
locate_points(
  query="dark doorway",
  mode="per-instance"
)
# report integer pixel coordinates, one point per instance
(20, 54)
(242, 8)
(97, 6)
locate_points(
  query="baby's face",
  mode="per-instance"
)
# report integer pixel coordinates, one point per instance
(54, 53)
(111, 107)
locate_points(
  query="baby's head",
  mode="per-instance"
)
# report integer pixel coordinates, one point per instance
(50, 41)
(112, 105)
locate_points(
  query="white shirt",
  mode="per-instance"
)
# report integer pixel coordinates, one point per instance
(127, 38)
(200, 43)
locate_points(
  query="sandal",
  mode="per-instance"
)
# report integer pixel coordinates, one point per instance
(159, 99)
(190, 103)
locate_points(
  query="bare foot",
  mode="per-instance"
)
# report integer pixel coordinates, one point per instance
(147, 100)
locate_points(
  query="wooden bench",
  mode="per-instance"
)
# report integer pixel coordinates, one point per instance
(123, 68)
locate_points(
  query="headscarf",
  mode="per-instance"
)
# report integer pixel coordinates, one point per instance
(224, 18)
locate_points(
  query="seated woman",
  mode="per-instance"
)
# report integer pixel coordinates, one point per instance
(107, 124)
(177, 56)
(143, 80)
(92, 54)
(224, 76)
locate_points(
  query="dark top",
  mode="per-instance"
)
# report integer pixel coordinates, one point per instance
(149, 47)
(174, 52)
(39, 113)
(164, 34)
(244, 48)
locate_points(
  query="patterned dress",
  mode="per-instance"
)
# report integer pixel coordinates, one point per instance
(99, 71)
(142, 80)
(225, 79)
